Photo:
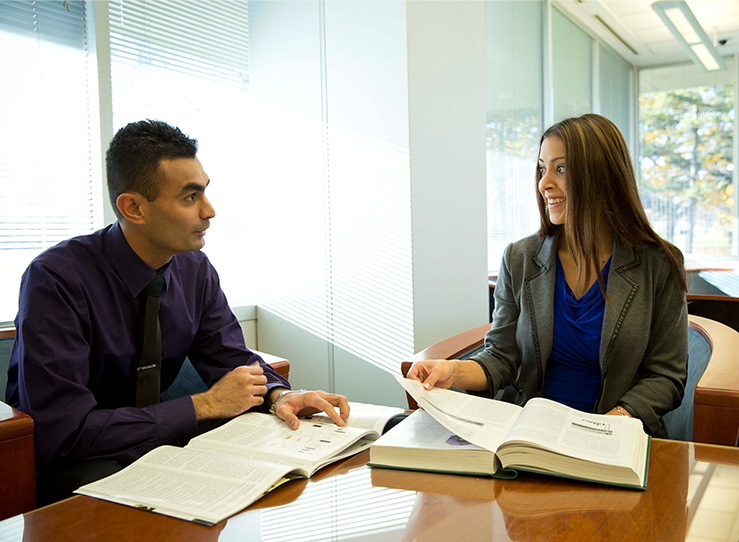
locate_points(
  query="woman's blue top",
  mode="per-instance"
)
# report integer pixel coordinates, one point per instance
(573, 370)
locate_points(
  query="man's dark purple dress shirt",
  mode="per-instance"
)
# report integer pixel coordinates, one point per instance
(78, 340)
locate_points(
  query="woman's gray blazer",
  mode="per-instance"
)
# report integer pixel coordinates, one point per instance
(644, 343)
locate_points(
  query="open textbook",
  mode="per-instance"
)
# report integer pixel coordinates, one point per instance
(462, 433)
(224, 470)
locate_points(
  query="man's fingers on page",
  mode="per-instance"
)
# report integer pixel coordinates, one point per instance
(325, 402)
(343, 407)
(286, 414)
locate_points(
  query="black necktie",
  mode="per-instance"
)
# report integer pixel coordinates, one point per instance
(147, 372)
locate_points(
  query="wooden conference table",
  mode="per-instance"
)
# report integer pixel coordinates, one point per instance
(693, 490)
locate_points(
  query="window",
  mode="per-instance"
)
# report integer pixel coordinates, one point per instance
(49, 159)
(188, 64)
(686, 157)
(534, 79)
(515, 114)
(572, 68)
(615, 90)
(329, 156)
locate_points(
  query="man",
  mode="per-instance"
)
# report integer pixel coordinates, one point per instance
(76, 359)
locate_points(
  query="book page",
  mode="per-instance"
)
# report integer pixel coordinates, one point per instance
(266, 437)
(422, 432)
(188, 484)
(593, 437)
(481, 421)
(362, 416)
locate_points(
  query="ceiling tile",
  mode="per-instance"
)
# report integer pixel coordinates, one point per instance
(627, 7)
(666, 48)
(658, 34)
(642, 21)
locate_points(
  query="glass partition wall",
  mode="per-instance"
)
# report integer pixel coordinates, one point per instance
(542, 67)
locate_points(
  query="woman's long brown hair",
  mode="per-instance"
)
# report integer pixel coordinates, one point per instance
(601, 189)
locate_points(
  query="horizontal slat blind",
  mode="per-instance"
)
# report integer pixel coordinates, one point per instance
(48, 191)
(187, 63)
(203, 36)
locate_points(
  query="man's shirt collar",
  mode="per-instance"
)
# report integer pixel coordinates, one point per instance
(130, 268)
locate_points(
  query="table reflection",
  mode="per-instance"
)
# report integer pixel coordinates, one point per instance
(713, 502)
(693, 494)
(685, 500)
(336, 508)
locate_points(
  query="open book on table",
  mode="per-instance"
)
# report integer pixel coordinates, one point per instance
(224, 470)
(460, 433)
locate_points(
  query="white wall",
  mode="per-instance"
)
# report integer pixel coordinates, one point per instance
(446, 74)
(249, 327)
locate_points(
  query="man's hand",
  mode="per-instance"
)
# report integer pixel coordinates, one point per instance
(304, 403)
(433, 372)
(236, 392)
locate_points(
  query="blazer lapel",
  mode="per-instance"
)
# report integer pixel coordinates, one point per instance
(539, 287)
(621, 290)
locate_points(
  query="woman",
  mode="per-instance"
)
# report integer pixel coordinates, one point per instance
(591, 311)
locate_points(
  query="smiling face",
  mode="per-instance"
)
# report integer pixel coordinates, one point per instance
(552, 181)
(177, 219)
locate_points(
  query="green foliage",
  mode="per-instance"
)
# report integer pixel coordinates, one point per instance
(686, 148)
(686, 138)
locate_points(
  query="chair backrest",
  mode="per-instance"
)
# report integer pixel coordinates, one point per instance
(7, 336)
(679, 422)
(404, 368)
(188, 381)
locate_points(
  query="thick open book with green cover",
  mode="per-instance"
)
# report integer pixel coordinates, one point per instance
(460, 433)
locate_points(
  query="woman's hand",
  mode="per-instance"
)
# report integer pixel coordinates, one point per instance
(433, 372)
(445, 373)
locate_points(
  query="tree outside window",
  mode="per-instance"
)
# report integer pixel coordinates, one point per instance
(686, 166)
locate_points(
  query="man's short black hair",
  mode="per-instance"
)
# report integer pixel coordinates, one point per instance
(135, 153)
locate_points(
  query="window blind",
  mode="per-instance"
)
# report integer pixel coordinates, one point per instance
(187, 63)
(207, 38)
(49, 173)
